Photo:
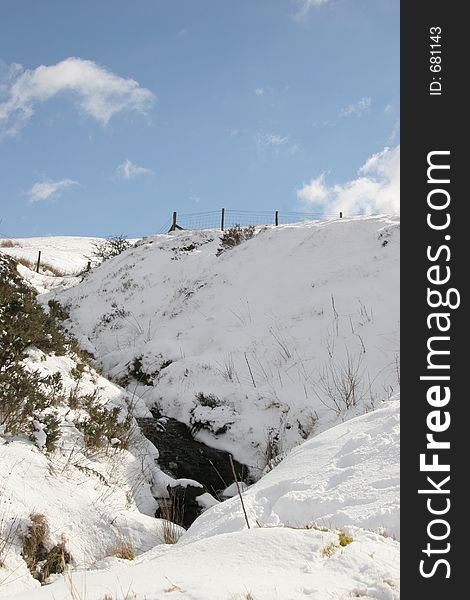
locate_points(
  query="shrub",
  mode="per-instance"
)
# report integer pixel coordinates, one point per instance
(23, 322)
(209, 400)
(34, 541)
(110, 247)
(235, 236)
(103, 426)
(57, 311)
(56, 560)
(344, 539)
(51, 425)
(342, 384)
(40, 561)
(27, 398)
(139, 374)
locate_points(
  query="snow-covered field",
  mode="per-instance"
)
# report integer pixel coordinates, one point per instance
(344, 477)
(283, 350)
(68, 254)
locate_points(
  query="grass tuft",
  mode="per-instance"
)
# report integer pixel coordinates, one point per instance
(124, 549)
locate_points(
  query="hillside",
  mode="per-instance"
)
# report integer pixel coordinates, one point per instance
(282, 349)
(68, 254)
(259, 347)
(292, 553)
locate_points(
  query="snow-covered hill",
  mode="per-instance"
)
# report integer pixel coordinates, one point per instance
(68, 254)
(280, 337)
(283, 350)
(295, 551)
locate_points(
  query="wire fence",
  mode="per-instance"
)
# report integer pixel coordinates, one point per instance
(225, 218)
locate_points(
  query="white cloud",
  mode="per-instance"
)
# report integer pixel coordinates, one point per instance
(270, 139)
(259, 91)
(128, 170)
(306, 6)
(96, 91)
(376, 190)
(357, 108)
(272, 144)
(42, 190)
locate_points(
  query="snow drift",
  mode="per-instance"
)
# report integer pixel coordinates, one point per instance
(278, 338)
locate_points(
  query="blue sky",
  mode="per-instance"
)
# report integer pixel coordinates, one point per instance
(115, 113)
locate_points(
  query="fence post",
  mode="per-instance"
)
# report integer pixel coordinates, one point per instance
(173, 223)
(340, 215)
(276, 218)
(39, 262)
(222, 220)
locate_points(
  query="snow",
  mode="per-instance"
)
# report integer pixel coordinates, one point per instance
(67, 253)
(267, 332)
(268, 327)
(184, 483)
(95, 500)
(289, 556)
(268, 563)
(232, 490)
(348, 475)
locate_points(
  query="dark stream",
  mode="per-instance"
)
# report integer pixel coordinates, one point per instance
(183, 457)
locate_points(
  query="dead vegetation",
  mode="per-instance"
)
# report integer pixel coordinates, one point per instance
(123, 549)
(42, 558)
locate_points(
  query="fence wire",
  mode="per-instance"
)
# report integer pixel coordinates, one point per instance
(244, 218)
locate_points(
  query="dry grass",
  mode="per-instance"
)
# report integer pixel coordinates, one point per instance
(171, 532)
(329, 550)
(171, 514)
(123, 549)
(9, 244)
(34, 541)
(40, 561)
(45, 267)
(385, 533)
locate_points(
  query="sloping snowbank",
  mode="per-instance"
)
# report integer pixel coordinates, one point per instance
(66, 253)
(345, 476)
(98, 500)
(272, 328)
(348, 475)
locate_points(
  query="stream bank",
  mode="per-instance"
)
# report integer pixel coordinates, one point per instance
(182, 457)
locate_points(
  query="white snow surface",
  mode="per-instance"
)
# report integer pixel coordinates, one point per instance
(338, 477)
(66, 253)
(348, 475)
(97, 501)
(267, 328)
(272, 327)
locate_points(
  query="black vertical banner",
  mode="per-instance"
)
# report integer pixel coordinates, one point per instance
(435, 249)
